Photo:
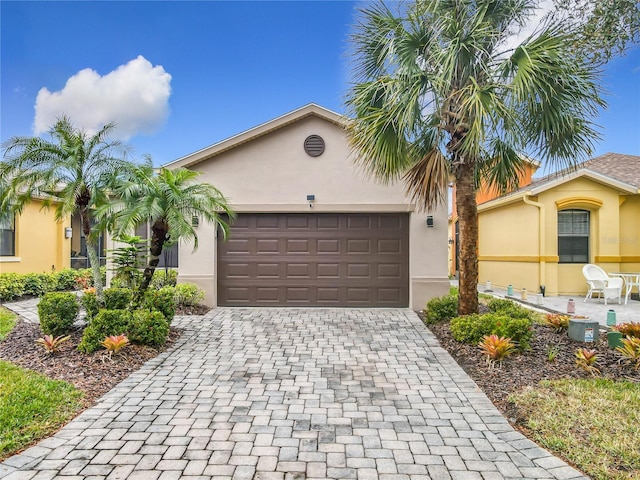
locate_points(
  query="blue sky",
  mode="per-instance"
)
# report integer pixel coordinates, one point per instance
(180, 76)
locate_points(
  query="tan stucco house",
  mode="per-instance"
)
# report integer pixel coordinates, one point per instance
(312, 229)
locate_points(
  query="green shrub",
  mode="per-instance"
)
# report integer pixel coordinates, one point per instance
(149, 327)
(37, 284)
(162, 278)
(187, 294)
(441, 308)
(509, 308)
(91, 304)
(104, 324)
(57, 312)
(117, 298)
(471, 328)
(11, 286)
(65, 279)
(519, 330)
(162, 301)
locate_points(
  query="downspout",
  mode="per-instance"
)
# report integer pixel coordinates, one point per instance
(542, 264)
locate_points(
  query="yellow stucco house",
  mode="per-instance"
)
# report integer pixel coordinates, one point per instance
(35, 242)
(547, 230)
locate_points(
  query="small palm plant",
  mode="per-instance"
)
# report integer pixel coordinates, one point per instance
(168, 201)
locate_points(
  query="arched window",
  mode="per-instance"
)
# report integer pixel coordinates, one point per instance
(573, 236)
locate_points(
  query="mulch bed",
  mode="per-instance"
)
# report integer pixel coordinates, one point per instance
(527, 369)
(95, 374)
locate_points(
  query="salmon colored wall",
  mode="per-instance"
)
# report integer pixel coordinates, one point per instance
(40, 242)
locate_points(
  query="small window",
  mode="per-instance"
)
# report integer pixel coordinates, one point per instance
(573, 236)
(7, 237)
(169, 256)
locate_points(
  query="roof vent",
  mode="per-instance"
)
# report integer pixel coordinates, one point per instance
(314, 145)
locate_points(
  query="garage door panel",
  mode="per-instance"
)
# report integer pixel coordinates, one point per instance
(297, 246)
(268, 270)
(358, 270)
(328, 270)
(358, 246)
(298, 270)
(267, 245)
(315, 259)
(328, 222)
(328, 246)
(389, 270)
(359, 222)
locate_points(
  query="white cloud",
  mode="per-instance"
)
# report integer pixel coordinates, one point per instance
(135, 96)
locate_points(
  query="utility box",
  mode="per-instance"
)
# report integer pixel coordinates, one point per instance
(583, 330)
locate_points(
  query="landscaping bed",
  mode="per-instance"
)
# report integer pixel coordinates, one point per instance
(94, 374)
(528, 368)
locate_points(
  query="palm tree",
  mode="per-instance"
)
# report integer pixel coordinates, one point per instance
(168, 201)
(439, 95)
(73, 170)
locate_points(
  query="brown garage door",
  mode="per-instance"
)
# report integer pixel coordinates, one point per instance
(315, 259)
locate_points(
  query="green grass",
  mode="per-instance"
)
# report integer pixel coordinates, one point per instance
(32, 407)
(594, 424)
(7, 322)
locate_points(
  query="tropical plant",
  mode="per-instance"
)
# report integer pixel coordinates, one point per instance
(168, 201)
(557, 321)
(51, 344)
(115, 343)
(496, 348)
(631, 329)
(441, 95)
(630, 349)
(73, 170)
(127, 260)
(587, 359)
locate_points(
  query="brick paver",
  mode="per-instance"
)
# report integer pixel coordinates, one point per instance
(293, 394)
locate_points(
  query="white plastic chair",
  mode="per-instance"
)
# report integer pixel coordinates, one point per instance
(599, 282)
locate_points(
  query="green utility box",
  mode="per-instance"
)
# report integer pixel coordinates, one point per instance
(583, 330)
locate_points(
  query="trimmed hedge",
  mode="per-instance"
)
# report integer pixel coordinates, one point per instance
(162, 301)
(471, 328)
(105, 323)
(57, 312)
(441, 308)
(16, 285)
(149, 327)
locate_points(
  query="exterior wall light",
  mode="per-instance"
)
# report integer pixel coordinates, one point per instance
(68, 232)
(430, 221)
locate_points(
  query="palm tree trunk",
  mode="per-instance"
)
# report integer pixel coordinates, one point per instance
(94, 259)
(158, 239)
(468, 221)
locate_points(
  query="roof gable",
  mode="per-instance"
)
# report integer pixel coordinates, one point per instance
(207, 153)
(615, 170)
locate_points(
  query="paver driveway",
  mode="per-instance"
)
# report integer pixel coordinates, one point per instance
(293, 394)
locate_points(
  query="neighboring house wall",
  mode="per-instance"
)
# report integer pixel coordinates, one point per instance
(272, 173)
(484, 194)
(519, 240)
(40, 245)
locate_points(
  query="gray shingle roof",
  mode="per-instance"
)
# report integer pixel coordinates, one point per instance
(617, 166)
